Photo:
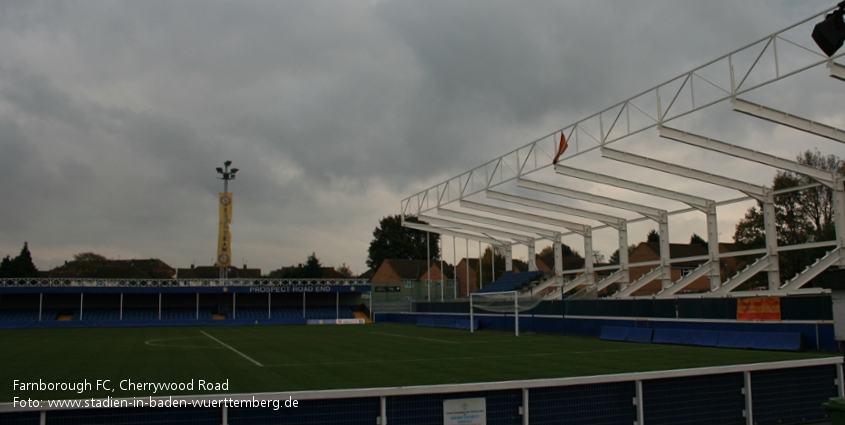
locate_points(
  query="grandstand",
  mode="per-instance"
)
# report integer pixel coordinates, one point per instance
(155, 302)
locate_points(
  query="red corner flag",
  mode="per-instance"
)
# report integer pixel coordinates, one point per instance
(561, 149)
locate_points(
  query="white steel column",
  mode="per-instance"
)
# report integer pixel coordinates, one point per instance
(588, 257)
(665, 257)
(713, 246)
(558, 248)
(839, 211)
(624, 268)
(509, 258)
(770, 226)
(532, 257)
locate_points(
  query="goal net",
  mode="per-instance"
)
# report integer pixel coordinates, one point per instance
(505, 302)
(510, 302)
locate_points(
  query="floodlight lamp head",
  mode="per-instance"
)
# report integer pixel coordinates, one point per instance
(829, 34)
(227, 163)
(219, 170)
(234, 170)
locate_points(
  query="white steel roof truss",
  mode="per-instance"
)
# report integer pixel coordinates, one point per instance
(487, 231)
(691, 200)
(719, 80)
(615, 222)
(752, 190)
(542, 233)
(646, 211)
(463, 235)
(825, 177)
(578, 228)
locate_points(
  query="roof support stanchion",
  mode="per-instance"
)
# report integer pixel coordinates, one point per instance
(769, 223)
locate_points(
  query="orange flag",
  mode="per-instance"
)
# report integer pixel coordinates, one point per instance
(561, 149)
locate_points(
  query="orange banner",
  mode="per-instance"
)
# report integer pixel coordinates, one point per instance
(758, 308)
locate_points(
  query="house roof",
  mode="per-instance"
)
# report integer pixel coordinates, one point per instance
(213, 272)
(677, 250)
(115, 269)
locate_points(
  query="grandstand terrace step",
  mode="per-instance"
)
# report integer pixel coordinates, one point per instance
(512, 281)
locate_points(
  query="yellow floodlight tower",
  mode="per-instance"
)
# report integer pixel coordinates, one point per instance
(224, 237)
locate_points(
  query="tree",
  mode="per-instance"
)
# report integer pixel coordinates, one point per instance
(653, 236)
(801, 216)
(614, 258)
(547, 254)
(89, 257)
(697, 240)
(392, 241)
(20, 266)
(345, 271)
(497, 258)
(312, 269)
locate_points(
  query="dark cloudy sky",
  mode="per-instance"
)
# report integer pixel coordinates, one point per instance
(114, 114)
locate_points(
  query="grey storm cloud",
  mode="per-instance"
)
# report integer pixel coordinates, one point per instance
(113, 115)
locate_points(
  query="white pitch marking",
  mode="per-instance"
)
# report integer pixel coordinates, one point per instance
(157, 342)
(231, 348)
(417, 337)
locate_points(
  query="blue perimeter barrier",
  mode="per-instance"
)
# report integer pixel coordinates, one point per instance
(783, 341)
(135, 323)
(815, 335)
(446, 323)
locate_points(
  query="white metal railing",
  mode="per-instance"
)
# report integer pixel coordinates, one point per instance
(526, 386)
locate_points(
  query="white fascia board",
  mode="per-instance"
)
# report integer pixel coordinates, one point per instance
(572, 226)
(615, 222)
(789, 120)
(652, 213)
(824, 177)
(752, 190)
(696, 202)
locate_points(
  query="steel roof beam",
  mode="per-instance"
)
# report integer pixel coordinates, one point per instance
(691, 200)
(578, 228)
(752, 190)
(433, 229)
(615, 222)
(789, 120)
(825, 177)
(652, 213)
(493, 233)
(541, 232)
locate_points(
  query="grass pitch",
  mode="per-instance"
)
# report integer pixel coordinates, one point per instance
(296, 358)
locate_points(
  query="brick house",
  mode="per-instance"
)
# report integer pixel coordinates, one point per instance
(405, 280)
(650, 251)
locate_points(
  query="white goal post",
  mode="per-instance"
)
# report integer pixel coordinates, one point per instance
(499, 302)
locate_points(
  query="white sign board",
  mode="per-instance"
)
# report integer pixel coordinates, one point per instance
(465, 411)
